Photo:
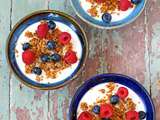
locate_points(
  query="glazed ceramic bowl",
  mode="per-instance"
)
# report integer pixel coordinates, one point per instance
(30, 22)
(119, 18)
(89, 93)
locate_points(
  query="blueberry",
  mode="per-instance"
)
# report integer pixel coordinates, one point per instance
(105, 119)
(37, 71)
(26, 46)
(106, 17)
(96, 109)
(55, 57)
(142, 115)
(51, 44)
(136, 1)
(114, 99)
(44, 58)
(51, 25)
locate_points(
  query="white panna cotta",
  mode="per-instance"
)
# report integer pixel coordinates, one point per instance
(94, 94)
(61, 75)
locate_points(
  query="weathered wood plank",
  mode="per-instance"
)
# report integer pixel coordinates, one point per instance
(25, 103)
(4, 71)
(153, 30)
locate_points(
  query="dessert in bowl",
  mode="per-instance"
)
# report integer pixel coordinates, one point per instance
(108, 14)
(47, 49)
(111, 97)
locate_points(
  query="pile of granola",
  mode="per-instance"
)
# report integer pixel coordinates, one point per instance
(48, 50)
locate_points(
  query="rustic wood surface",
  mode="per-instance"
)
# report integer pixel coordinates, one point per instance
(133, 50)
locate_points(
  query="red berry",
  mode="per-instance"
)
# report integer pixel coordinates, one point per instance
(85, 116)
(122, 92)
(100, 1)
(28, 57)
(64, 38)
(42, 30)
(106, 111)
(124, 5)
(70, 57)
(132, 115)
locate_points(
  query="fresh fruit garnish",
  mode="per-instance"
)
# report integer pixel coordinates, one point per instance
(132, 115)
(64, 38)
(45, 58)
(122, 92)
(106, 17)
(136, 1)
(142, 115)
(26, 46)
(100, 1)
(85, 116)
(37, 71)
(42, 30)
(51, 44)
(106, 111)
(96, 109)
(28, 57)
(70, 57)
(55, 57)
(51, 25)
(124, 5)
(105, 119)
(114, 99)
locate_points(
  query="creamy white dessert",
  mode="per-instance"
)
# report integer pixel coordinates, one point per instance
(77, 47)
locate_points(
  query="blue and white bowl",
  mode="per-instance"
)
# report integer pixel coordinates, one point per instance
(119, 18)
(89, 93)
(29, 23)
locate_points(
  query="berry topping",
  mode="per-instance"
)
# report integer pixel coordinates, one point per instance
(55, 57)
(28, 57)
(96, 109)
(42, 30)
(106, 111)
(124, 5)
(45, 58)
(51, 44)
(51, 25)
(106, 17)
(26, 46)
(85, 116)
(100, 1)
(37, 71)
(105, 119)
(142, 115)
(132, 115)
(70, 57)
(136, 1)
(64, 38)
(114, 99)
(122, 92)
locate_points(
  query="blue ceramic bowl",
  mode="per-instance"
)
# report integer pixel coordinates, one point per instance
(31, 19)
(99, 23)
(116, 78)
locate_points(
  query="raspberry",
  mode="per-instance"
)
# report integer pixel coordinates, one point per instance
(100, 1)
(124, 5)
(85, 116)
(122, 92)
(28, 57)
(70, 57)
(132, 115)
(64, 38)
(106, 111)
(42, 30)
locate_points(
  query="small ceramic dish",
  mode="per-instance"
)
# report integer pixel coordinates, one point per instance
(111, 97)
(108, 14)
(47, 49)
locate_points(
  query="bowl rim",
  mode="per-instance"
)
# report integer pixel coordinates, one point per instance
(107, 28)
(36, 13)
(111, 74)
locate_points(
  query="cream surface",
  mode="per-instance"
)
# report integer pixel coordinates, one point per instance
(93, 94)
(77, 47)
(116, 16)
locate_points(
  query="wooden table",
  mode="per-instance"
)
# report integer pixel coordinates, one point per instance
(133, 50)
